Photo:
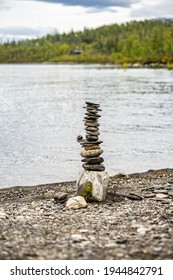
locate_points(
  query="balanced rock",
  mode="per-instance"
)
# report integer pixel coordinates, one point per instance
(91, 153)
(93, 167)
(76, 202)
(92, 137)
(92, 147)
(94, 124)
(93, 160)
(99, 181)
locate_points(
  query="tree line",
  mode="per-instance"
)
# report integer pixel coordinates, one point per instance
(144, 42)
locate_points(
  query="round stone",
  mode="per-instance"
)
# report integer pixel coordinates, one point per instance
(93, 160)
(93, 167)
(91, 153)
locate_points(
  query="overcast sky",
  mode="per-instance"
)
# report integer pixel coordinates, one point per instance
(32, 18)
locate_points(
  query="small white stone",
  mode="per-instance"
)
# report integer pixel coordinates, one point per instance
(76, 237)
(141, 231)
(99, 181)
(76, 202)
(2, 214)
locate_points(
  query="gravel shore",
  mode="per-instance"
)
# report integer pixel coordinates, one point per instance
(135, 221)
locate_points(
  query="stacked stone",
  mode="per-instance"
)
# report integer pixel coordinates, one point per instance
(92, 151)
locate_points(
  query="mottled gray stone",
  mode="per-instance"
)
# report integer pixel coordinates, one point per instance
(91, 153)
(99, 181)
(60, 197)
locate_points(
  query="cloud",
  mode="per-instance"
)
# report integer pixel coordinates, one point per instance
(98, 4)
(4, 5)
(154, 9)
(19, 33)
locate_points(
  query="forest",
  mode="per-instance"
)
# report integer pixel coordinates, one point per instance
(146, 42)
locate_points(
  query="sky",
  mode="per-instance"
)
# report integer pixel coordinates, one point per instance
(21, 19)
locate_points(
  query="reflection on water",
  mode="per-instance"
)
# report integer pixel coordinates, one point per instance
(41, 115)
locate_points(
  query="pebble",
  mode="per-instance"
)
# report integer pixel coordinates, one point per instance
(76, 237)
(161, 191)
(166, 201)
(2, 215)
(149, 195)
(141, 230)
(170, 193)
(158, 187)
(60, 197)
(161, 195)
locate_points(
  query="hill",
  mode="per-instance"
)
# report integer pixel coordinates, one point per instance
(143, 42)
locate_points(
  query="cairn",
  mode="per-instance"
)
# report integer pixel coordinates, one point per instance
(94, 176)
(92, 151)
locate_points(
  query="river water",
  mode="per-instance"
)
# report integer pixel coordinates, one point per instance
(41, 114)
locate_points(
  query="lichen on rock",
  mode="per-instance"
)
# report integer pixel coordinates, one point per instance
(86, 191)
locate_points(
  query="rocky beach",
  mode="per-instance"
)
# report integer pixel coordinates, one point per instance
(134, 222)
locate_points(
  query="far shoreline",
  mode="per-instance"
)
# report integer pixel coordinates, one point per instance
(114, 65)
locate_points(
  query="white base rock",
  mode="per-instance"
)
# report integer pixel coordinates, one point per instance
(99, 181)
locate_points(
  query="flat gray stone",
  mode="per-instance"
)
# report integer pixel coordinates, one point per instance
(149, 195)
(91, 138)
(93, 160)
(99, 181)
(96, 133)
(161, 195)
(161, 191)
(93, 167)
(91, 128)
(91, 104)
(94, 124)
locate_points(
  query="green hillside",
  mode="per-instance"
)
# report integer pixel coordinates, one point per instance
(143, 42)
